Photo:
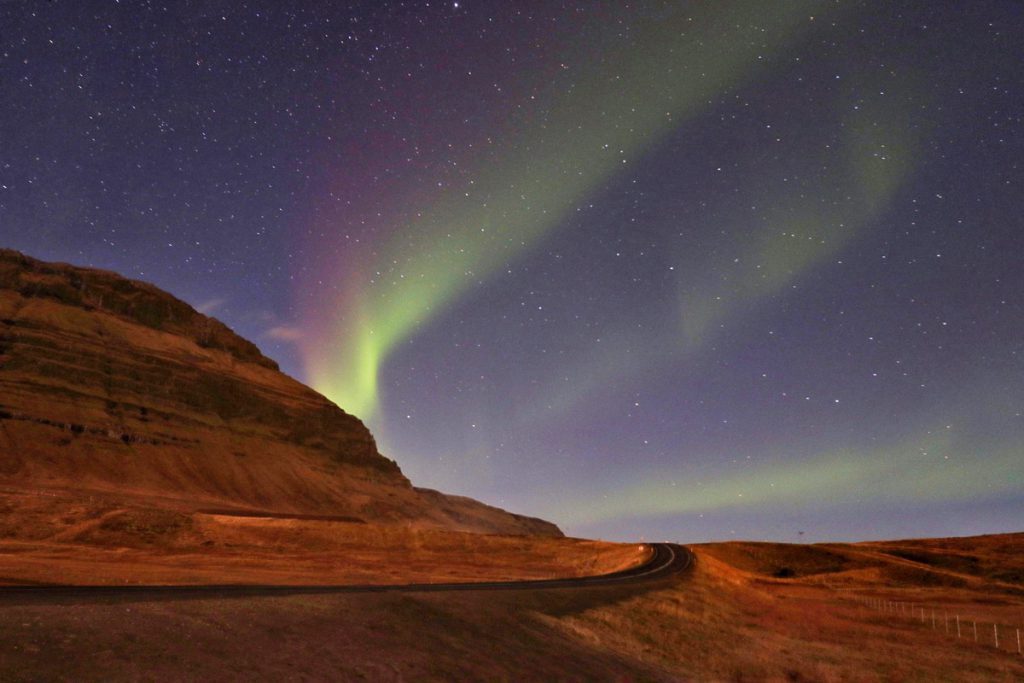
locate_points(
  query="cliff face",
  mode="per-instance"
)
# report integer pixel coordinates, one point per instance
(111, 385)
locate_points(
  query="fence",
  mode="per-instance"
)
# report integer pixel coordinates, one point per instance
(1000, 636)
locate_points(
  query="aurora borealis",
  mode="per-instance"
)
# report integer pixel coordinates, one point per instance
(669, 269)
(510, 197)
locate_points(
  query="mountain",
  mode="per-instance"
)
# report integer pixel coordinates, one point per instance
(112, 387)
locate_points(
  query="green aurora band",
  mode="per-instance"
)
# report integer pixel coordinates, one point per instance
(805, 229)
(537, 175)
(929, 467)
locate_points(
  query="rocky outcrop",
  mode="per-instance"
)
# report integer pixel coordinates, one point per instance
(109, 384)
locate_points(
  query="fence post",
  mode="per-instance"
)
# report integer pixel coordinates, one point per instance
(975, 622)
(945, 620)
(1018, 641)
(922, 615)
(958, 626)
(995, 633)
(933, 619)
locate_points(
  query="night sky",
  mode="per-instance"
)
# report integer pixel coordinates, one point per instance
(680, 270)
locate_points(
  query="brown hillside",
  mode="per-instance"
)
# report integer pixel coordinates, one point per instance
(112, 388)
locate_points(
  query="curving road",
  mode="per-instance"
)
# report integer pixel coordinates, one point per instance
(667, 559)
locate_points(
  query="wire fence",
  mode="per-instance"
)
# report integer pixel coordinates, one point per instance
(952, 623)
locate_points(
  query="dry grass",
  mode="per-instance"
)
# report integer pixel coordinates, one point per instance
(726, 622)
(748, 611)
(730, 619)
(718, 623)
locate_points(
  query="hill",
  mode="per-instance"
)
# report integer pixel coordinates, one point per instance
(117, 398)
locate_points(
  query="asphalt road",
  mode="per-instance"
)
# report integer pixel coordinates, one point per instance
(667, 560)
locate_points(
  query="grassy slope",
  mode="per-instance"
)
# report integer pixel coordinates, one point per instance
(52, 537)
